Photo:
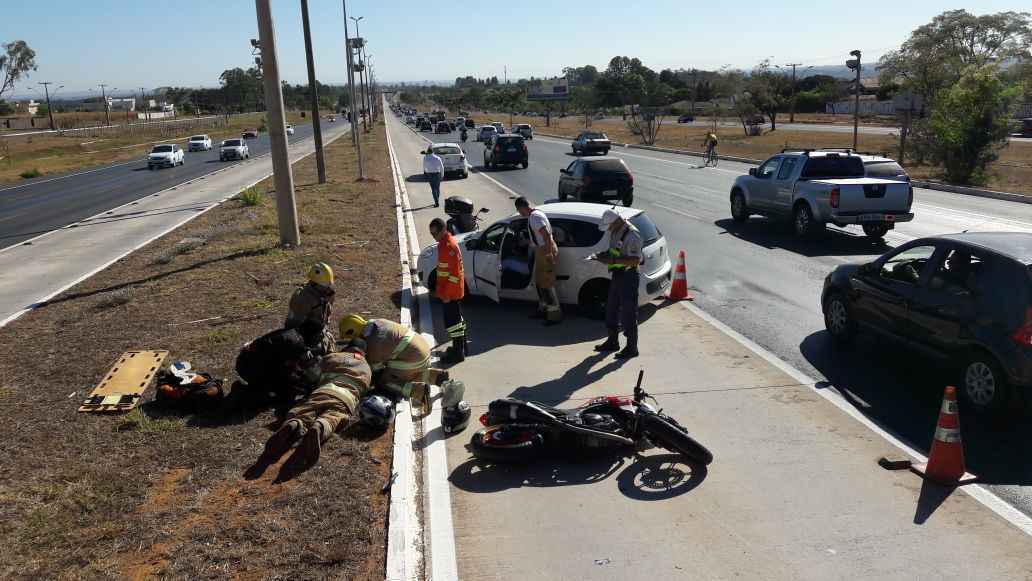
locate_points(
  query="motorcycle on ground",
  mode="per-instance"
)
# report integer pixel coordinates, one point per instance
(461, 218)
(522, 431)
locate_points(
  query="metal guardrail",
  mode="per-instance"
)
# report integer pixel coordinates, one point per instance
(131, 128)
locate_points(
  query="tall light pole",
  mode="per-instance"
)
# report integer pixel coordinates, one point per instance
(854, 63)
(791, 115)
(351, 90)
(103, 100)
(286, 209)
(313, 88)
(50, 110)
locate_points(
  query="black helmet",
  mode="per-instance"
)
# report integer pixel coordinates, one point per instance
(455, 419)
(376, 411)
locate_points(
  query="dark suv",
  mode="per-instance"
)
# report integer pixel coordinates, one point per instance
(505, 149)
(964, 299)
(597, 179)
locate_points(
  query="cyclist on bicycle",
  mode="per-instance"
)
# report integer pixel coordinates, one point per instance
(463, 135)
(710, 143)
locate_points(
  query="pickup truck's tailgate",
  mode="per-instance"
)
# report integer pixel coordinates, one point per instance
(871, 195)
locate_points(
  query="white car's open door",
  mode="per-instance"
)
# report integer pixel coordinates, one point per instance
(487, 268)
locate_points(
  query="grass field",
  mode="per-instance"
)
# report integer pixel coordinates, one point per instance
(50, 153)
(159, 493)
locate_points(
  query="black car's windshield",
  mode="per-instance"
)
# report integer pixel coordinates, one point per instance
(833, 166)
(607, 166)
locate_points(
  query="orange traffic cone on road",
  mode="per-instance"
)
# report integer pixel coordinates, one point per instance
(679, 289)
(946, 460)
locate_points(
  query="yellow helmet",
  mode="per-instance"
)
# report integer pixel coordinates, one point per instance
(321, 273)
(351, 326)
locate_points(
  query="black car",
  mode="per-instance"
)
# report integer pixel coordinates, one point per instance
(597, 179)
(505, 149)
(686, 118)
(424, 125)
(470, 124)
(442, 127)
(963, 299)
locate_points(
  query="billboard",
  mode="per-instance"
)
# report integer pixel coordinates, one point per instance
(549, 90)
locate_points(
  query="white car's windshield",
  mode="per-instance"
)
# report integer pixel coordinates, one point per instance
(162, 149)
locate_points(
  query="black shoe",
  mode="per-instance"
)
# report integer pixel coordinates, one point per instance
(437, 205)
(627, 353)
(607, 346)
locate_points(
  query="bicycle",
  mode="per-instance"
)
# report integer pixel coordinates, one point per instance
(711, 157)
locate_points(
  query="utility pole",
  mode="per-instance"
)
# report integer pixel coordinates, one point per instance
(286, 209)
(854, 63)
(791, 115)
(103, 98)
(362, 77)
(351, 90)
(320, 162)
(50, 110)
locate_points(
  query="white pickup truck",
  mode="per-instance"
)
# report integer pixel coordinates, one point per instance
(818, 187)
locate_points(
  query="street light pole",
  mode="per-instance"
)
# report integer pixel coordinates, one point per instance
(320, 162)
(286, 208)
(351, 91)
(855, 64)
(103, 99)
(50, 110)
(791, 114)
(362, 77)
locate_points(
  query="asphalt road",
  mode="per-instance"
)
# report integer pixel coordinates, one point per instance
(47, 203)
(762, 282)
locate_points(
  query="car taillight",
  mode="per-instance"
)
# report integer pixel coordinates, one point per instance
(483, 419)
(1023, 336)
(834, 200)
(910, 197)
(630, 178)
(498, 148)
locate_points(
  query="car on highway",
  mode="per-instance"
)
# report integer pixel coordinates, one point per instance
(486, 132)
(496, 263)
(597, 179)
(442, 127)
(165, 155)
(876, 166)
(818, 187)
(198, 143)
(460, 121)
(470, 123)
(332, 119)
(500, 127)
(453, 158)
(506, 149)
(424, 125)
(410, 120)
(963, 300)
(233, 149)
(249, 134)
(588, 142)
(523, 129)
(290, 129)
(686, 118)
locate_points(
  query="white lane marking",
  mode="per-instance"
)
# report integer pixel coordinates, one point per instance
(967, 213)
(676, 211)
(172, 227)
(71, 175)
(975, 491)
(512, 194)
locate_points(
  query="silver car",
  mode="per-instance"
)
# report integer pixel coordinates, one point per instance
(486, 133)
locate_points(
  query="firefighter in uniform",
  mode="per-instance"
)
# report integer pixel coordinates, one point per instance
(546, 260)
(450, 289)
(623, 259)
(340, 381)
(398, 356)
(310, 308)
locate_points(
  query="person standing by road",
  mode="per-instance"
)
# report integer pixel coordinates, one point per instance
(433, 170)
(546, 261)
(623, 259)
(450, 288)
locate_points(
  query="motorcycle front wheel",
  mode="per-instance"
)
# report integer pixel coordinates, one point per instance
(507, 444)
(667, 433)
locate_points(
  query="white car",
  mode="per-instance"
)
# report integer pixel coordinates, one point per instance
(290, 129)
(495, 259)
(453, 158)
(165, 155)
(234, 149)
(486, 132)
(199, 143)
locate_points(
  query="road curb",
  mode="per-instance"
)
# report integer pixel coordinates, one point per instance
(964, 190)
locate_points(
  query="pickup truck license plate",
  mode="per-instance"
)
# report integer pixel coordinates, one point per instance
(511, 149)
(872, 217)
(610, 192)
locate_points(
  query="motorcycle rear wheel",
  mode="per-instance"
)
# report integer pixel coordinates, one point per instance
(667, 433)
(507, 444)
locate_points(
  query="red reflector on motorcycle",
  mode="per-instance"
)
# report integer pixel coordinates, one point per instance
(619, 400)
(483, 419)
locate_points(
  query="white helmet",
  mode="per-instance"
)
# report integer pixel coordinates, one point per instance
(376, 411)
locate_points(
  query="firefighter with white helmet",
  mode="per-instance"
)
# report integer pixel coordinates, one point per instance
(310, 309)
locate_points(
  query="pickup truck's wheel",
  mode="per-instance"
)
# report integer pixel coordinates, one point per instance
(875, 231)
(838, 319)
(983, 384)
(525, 164)
(739, 209)
(802, 221)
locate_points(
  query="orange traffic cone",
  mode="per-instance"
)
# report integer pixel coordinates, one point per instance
(679, 290)
(946, 460)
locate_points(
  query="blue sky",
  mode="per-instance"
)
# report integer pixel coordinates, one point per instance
(129, 44)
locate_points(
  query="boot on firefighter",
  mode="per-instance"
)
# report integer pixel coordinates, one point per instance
(310, 309)
(450, 289)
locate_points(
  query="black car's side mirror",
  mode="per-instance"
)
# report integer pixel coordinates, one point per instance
(752, 171)
(564, 171)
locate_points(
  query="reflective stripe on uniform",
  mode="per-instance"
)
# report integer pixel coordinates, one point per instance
(407, 365)
(457, 330)
(338, 391)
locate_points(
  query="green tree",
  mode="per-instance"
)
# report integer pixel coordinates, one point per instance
(767, 90)
(15, 62)
(6, 108)
(968, 125)
(42, 110)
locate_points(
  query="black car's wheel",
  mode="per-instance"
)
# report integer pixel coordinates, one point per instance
(803, 222)
(604, 152)
(526, 164)
(739, 209)
(983, 384)
(507, 444)
(561, 194)
(838, 318)
(593, 298)
(575, 150)
(628, 200)
(666, 432)
(875, 231)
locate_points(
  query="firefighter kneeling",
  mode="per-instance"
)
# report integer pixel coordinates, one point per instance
(400, 360)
